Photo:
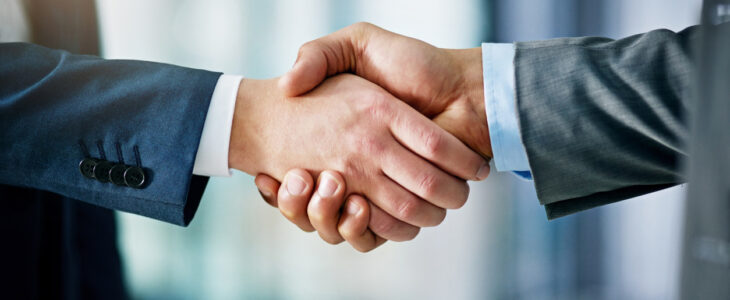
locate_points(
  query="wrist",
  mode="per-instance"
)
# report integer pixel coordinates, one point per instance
(469, 64)
(244, 152)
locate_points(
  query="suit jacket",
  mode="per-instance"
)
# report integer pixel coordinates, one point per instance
(57, 108)
(604, 120)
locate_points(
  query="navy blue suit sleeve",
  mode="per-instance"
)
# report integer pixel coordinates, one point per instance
(52, 102)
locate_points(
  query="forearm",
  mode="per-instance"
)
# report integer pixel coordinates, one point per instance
(599, 115)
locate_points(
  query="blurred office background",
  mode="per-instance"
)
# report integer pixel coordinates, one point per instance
(498, 246)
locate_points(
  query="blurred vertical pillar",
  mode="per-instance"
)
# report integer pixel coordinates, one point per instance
(561, 258)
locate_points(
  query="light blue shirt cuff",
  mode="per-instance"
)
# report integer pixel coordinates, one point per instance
(499, 103)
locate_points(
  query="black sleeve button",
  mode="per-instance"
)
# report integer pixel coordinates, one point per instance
(86, 167)
(101, 171)
(134, 177)
(116, 174)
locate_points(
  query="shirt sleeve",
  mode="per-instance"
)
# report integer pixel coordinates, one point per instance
(212, 156)
(500, 106)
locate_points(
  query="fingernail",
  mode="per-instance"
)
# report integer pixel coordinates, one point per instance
(353, 208)
(295, 185)
(483, 171)
(265, 193)
(327, 186)
(267, 197)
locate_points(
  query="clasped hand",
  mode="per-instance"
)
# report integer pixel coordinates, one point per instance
(391, 146)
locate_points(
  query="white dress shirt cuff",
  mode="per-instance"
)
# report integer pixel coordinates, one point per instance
(499, 103)
(212, 156)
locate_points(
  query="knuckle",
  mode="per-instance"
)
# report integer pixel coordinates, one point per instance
(378, 106)
(407, 209)
(371, 144)
(317, 212)
(383, 226)
(288, 213)
(351, 166)
(315, 216)
(346, 232)
(313, 44)
(428, 185)
(432, 142)
(362, 26)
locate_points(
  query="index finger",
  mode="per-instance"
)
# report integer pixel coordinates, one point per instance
(425, 138)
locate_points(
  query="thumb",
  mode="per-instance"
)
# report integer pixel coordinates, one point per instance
(308, 71)
(323, 57)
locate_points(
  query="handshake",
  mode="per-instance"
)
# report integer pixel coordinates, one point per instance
(391, 144)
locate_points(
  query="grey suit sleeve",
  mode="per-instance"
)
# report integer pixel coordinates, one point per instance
(604, 120)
